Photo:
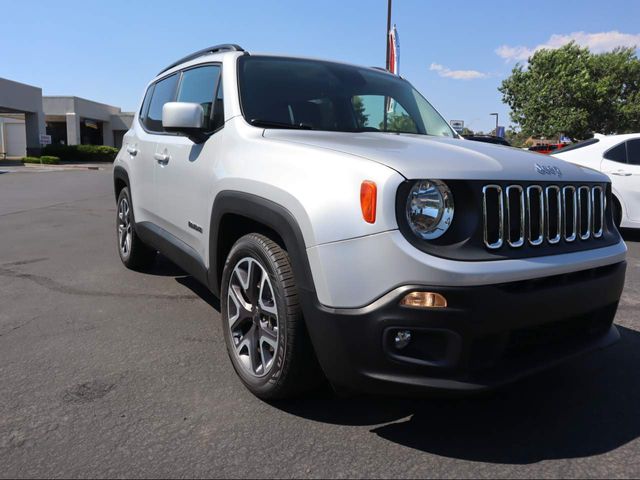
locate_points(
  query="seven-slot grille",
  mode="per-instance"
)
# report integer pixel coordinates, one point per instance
(533, 214)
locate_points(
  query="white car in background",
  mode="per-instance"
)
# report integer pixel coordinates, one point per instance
(617, 156)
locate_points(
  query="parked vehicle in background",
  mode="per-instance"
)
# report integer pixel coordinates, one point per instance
(368, 245)
(618, 156)
(546, 149)
(488, 139)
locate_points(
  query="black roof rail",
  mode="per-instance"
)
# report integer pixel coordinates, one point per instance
(231, 47)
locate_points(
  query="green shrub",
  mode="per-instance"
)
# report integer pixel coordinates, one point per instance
(48, 160)
(82, 153)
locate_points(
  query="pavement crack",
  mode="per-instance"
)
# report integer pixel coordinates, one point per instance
(52, 205)
(55, 286)
(25, 262)
(17, 327)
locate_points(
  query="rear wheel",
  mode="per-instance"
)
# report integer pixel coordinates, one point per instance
(133, 252)
(265, 333)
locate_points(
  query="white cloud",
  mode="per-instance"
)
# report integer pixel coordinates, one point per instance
(596, 42)
(456, 74)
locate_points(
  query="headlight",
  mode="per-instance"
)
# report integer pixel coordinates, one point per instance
(430, 209)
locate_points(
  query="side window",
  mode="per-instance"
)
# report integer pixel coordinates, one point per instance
(145, 104)
(369, 112)
(633, 151)
(617, 153)
(198, 85)
(164, 91)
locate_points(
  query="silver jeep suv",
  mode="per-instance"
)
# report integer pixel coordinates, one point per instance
(352, 236)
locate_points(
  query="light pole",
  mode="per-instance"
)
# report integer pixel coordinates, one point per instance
(496, 132)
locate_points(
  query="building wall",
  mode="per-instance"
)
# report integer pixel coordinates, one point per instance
(77, 111)
(21, 98)
(13, 137)
(72, 117)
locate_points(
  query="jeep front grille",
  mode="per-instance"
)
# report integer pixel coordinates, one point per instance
(516, 215)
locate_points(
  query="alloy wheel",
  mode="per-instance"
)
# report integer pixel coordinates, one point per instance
(252, 317)
(124, 227)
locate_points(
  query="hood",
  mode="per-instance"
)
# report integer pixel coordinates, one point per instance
(421, 156)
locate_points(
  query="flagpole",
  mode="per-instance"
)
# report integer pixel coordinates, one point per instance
(386, 37)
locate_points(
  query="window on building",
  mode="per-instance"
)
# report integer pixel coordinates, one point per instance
(198, 85)
(617, 153)
(164, 91)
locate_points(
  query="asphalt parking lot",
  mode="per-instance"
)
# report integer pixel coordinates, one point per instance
(106, 372)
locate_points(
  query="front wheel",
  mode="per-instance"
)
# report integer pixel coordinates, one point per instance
(265, 333)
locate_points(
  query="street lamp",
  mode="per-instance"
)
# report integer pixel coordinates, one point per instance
(496, 132)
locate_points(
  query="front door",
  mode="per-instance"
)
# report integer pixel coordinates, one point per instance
(184, 168)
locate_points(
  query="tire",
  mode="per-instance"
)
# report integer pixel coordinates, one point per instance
(266, 338)
(133, 252)
(617, 213)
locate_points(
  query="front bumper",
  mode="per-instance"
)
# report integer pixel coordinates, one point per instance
(485, 337)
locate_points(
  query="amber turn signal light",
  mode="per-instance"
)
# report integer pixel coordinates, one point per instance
(424, 300)
(368, 199)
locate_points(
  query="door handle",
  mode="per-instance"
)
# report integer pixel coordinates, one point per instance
(162, 158)
(621, 173)
(133, 151)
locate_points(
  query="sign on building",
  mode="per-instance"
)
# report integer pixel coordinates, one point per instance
(457, 125)
(45, 139)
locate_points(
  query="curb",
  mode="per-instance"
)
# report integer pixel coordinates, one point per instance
(89, 166)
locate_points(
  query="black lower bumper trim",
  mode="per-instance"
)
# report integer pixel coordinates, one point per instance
(485, 337)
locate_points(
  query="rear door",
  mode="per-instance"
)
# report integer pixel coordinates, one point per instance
(184, 168)
(622, 164)
(632, 180)
(142, 147)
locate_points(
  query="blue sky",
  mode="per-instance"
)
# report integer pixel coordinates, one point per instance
(455, 53)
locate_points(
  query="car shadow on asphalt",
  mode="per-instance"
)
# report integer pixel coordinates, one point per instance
(630, 235)
(200, 290)
(163, 267)
(586, 407)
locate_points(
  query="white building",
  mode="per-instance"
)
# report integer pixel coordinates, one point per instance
(25, 114)
(21, 118)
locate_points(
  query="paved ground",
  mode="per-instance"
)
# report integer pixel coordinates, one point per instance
(106, 372)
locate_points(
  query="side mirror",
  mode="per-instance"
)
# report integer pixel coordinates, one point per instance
(186, 118)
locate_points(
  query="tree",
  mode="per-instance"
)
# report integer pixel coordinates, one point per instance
(399, 122)
(573, 91)
(358, 108)
(516, 138)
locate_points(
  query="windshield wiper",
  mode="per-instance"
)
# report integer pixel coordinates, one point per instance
(256, 122)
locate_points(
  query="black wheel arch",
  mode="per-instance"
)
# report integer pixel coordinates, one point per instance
(245, 209)
(120, 180)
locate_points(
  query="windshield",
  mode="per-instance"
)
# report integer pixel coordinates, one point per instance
(280, 92)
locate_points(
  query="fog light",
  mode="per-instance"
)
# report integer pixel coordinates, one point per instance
(403, 337)
(424, 300)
